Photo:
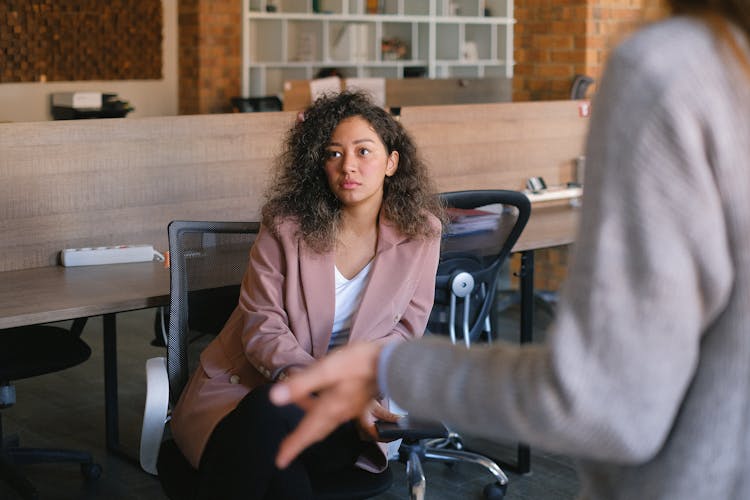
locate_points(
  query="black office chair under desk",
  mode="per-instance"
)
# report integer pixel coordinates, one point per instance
(30, 351)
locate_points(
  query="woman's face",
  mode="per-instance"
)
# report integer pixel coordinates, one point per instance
(357, 164)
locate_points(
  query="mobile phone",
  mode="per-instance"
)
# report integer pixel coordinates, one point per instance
(536, 184)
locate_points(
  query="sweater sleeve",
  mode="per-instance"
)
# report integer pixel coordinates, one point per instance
(651, 270)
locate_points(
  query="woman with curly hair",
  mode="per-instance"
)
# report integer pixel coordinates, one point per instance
(347, 253)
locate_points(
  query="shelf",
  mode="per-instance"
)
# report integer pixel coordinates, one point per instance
(373, 18)
(446, 38)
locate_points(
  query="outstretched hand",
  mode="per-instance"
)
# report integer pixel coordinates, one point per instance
(335, 390)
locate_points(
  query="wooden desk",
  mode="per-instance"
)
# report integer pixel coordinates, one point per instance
(549, 226)
(54, 293)
(49, 294)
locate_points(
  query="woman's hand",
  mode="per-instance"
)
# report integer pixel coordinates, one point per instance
(366, 421)
(336, 389)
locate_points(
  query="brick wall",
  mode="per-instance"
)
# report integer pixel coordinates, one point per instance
(549, 47)
(554, 40)
(210, 36)
(609, 21)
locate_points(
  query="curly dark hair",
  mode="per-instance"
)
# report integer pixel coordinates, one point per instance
(300, 189)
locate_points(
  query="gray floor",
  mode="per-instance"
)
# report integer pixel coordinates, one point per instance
(66, 409)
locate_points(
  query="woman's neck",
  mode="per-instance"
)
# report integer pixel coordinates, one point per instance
(356, 243)
(362, 220)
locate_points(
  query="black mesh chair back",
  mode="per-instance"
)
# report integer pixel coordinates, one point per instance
(484, 226)
(207, 263)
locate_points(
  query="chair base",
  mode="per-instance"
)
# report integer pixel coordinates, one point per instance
(10, 458)
(10, 474)
(413, 453)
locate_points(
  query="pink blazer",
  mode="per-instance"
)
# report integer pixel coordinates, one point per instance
(285, 317)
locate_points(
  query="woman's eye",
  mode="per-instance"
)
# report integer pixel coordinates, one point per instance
(333, 154)
(364, 151)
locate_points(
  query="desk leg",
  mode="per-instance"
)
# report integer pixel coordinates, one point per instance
(527, 334)
(111, 410)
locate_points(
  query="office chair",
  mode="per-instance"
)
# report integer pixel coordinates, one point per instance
(255, 104)
(484, 227)
(207, 261)
(580, 85)
(30, 351)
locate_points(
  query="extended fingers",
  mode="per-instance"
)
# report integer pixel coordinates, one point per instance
(297, 389)
(313, 427)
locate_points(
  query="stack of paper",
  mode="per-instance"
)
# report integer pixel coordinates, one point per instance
(471, 220)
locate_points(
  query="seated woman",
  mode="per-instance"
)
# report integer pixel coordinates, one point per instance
(347, 252)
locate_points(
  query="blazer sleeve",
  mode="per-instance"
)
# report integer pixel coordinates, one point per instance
(269, 343)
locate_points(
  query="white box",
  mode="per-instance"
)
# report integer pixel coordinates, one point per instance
(78, 100)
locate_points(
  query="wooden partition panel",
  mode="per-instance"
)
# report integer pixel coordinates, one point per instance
(401, 92)
(89, 183)
(498, 146)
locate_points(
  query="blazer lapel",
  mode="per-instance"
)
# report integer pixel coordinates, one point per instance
(317, 280)
(376, 296)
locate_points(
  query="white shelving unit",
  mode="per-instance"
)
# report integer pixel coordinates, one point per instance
(294, 39)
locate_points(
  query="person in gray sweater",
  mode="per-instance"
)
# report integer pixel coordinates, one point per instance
(645, 376)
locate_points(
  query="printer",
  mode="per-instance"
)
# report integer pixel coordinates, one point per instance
(77, 105)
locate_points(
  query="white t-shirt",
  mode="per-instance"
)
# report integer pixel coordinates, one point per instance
(348, 298)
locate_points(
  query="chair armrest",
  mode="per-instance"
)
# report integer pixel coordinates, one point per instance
(154, 412)
(410, 430)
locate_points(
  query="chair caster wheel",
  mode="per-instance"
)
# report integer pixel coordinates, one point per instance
(495, 491)
(91, 471)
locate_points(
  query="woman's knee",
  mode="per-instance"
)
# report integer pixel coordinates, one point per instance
(257, 407)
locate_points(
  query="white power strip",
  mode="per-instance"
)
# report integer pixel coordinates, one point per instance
(106, 255)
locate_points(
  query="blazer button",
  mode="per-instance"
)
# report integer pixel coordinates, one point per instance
(395, 318)
(234, 379)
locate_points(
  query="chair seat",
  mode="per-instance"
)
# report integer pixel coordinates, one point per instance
(29, 351)
(178, 479)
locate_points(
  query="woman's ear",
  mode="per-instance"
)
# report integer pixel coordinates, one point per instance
(392, 165)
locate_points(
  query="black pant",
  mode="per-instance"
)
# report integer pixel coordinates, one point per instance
(238, 461)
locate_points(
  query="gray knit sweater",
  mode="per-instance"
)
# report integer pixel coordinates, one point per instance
(645, 377)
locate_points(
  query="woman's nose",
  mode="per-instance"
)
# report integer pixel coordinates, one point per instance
(349, 164)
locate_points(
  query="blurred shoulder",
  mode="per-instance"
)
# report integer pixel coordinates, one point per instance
(664, 50)
(660, 69)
